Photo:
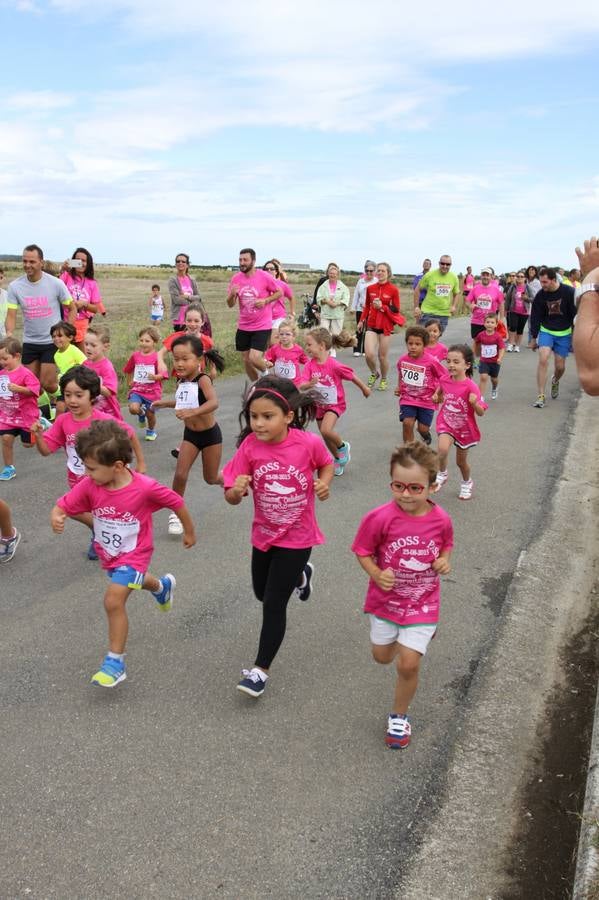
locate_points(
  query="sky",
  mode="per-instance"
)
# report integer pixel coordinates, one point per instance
(311, 131)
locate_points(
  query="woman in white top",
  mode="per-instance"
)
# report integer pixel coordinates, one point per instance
(357, 304)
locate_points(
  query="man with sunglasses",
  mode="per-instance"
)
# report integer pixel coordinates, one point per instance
(442, 289)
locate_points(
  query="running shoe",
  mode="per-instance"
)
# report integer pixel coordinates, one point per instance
(338, 468)
(111, 672)
(373, 378)
(151, 435)
(344, 453)
(509, 348)
(174, 524)
(494, 393)
(45, 423)
(142, 419)
(516, 349)
(540, 401)
(253, 682)
(8, 547)
(466, 489)
(426, 437)
(441, 479)
(383, 385)
(554, 389)
(305, 589)
(91, 552)
(175, 452)
(399, 732)
(7, 473)
(357, 353)
(166, 595)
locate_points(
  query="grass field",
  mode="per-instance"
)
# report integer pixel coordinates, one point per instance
(126, 290)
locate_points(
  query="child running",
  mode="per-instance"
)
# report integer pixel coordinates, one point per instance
(19, 390)
(195, 404)
(67, 354)
(286, 357)
(145, 375)
(403, 547)
(419, 377)
(96, 344)
(9, 536)
(456, 421)
(490, 347)
(277, 459)
(119, 503)
(435, 347)
(326, 375)
(156, 305)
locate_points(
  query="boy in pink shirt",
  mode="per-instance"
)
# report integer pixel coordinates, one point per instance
(490, 347)
(485, 297)
(95, 346)
(403, 547)
(119, 503)
(419, 377)
(19, 390)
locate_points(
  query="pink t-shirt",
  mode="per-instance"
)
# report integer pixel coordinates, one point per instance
(109, 379)
(122, 518)
(18, 410)
(186, 287)
(409, 545)
(518, 304)
(140, 365)
(331, 375)
(438, 350)
(63, 433)
(468, 282)
(283, 487)
(257, 286)
(484, 300)
(81, 288)
(287, 362)
(489, 346)
(279, 309)
(456, 417)
(419, 379)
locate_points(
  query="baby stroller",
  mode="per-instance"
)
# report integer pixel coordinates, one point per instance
(310, 315)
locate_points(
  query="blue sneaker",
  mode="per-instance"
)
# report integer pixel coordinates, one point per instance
(142, 419)
(91, 553)
(8, 546)
(165, 597)
(151, 435)
(253, 682)
(7, 473)
(399, 732)
(45, 423)
(304, 590)
(338, 468)
(344, 453)
(111, 672)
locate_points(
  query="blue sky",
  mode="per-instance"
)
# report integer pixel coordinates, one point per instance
(344, 131)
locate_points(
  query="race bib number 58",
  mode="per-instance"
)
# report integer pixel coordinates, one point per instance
(116, 537)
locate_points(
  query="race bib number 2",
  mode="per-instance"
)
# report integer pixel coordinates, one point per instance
(74, 462)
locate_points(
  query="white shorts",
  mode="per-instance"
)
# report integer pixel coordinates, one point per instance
(277, 322)
(416, 637)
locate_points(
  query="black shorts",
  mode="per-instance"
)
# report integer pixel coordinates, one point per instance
(203, 439)
(252, 340)
(476, 330)
(516, 322)
(25, 435)
(42, 353)
(376, 330)
(489, 368)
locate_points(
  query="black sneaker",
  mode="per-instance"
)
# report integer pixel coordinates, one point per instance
(175, 452)
(427, 438)
(304, 592)
(253, 682)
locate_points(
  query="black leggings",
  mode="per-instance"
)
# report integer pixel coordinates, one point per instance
(359, 348)
(516, 322)
(275, 575)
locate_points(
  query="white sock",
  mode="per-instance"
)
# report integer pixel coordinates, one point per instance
(119, 656)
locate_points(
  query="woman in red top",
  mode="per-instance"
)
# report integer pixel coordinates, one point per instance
(379, 316)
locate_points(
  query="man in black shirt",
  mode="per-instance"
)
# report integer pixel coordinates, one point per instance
(551, 320)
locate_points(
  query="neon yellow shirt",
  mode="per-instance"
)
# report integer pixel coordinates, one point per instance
(66, 359)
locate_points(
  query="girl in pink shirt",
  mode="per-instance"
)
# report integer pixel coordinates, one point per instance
(434, 346)
(95, 346)
(403, 547)
(145, 376)
(19, 390)
(278, 460)
(286, 358)
(118, 504)
(326, 375)
(456, 420)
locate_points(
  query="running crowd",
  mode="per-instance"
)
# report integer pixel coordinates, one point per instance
(59, 391)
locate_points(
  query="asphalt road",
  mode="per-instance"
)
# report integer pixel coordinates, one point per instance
(175, 785)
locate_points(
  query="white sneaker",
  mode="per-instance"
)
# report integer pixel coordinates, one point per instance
(494, 394)
(516, 349)
(510, 348)
(466, 490)
(441, 479)
(175, 525)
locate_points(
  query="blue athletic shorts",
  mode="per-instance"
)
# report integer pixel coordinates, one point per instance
(134, 397)
(560, 344)
(127, 576)
(422, 415)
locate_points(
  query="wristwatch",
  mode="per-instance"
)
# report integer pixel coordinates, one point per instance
(585, 288)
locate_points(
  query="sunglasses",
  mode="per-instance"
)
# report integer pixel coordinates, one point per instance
(400, 487)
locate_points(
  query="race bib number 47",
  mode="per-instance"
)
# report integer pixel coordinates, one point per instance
(187, 395)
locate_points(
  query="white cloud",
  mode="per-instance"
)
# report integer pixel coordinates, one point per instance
(37, 101)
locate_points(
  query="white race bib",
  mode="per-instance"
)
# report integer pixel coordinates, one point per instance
(74, 462)
(187, 395)
(484, 303)
(116, 537)
(4, 389)
(142, 372)
(328, 393)
(285, 369)
(411, 374)
(488, 350)
(442, 290)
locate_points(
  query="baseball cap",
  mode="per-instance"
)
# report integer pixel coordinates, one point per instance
(486, 269)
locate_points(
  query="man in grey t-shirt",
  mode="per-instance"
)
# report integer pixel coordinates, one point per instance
(40, 297)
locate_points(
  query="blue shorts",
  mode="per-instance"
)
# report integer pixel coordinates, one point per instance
(422, 415)
(134, 397)
(560, 344)
(157, 318)
(127, 576)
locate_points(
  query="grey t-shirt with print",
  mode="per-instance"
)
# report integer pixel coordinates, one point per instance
(40, 303)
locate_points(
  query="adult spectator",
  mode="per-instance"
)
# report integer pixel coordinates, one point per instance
(484, 298)
(3, 305)
(41, 298)
(255, 291)
(426, 267)
(79, 277)
(586, 333)
(533, 286)
(551, 320)
(442, 289)
(517, 306)
(380, 314)
(183, 290)
(333, 300)
(358, 300)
